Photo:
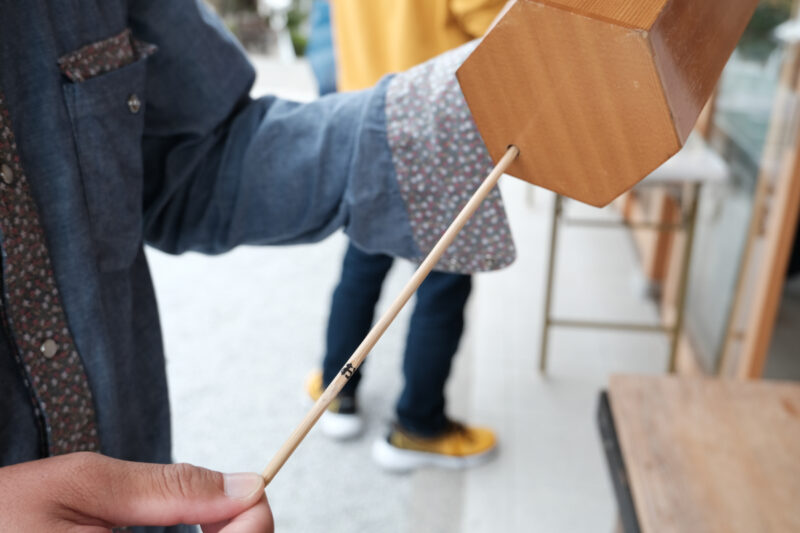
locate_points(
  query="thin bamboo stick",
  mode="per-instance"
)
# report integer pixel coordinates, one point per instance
(387, 318)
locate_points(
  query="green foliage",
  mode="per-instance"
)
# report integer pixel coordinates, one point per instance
(757, 41)
(298, 27)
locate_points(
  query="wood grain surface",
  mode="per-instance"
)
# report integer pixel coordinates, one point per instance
(581, 98)
(640, 14)
(709, 456)
(598, 93)
(692, 42)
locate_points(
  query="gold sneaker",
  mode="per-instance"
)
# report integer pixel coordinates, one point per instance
(459, 446)
(341, 420)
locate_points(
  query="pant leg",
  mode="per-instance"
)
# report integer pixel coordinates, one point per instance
(320, 48)
(352, 310)
(433, 337)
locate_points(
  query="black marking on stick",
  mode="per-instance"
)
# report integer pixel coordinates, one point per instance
(348, 370)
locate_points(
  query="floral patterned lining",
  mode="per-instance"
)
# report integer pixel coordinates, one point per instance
(34, 318)
(440, 160)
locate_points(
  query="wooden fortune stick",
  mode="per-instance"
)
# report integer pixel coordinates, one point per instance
(388, 316)
(582, 97)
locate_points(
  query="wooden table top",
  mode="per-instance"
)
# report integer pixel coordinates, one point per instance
(708, 456)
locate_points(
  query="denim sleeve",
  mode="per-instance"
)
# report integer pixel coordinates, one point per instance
(223, 170)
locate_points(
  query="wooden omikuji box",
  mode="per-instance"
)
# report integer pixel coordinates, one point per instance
(598, 93)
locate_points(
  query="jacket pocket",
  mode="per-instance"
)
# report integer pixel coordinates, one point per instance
(107, 116)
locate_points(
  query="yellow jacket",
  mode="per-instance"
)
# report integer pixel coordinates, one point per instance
(375, 37)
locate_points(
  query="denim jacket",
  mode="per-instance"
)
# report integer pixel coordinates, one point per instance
(160, 146)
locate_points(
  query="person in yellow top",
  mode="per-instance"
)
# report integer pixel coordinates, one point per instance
(376, 37)
(373, 38)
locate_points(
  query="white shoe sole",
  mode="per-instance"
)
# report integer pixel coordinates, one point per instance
(340, 427)
(398, 460)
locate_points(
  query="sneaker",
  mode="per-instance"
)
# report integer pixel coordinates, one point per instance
(341, 420)
(459, 446)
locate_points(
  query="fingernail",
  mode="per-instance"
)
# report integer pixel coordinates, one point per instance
(242, 486)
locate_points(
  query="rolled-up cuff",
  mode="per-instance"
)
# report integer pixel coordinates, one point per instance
(439, 161)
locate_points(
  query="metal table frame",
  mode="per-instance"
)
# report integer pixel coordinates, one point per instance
(628, 521)
(688, 224)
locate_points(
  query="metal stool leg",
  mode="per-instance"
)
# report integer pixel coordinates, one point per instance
(683, 286)
(557, 208)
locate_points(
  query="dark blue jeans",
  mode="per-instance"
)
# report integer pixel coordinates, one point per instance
(433, 334)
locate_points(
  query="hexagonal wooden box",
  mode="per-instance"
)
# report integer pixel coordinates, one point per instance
(598, 93)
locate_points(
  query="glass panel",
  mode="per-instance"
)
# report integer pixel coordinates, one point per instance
(741, 123)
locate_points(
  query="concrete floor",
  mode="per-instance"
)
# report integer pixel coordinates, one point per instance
(243, 330)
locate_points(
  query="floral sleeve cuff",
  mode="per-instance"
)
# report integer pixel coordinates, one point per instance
(440, 161)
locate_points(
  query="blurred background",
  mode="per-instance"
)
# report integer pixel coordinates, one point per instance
(240, 347)
(264, 25)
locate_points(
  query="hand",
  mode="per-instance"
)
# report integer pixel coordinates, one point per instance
(90, 493)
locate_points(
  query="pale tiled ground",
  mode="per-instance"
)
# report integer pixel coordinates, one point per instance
(242, 331)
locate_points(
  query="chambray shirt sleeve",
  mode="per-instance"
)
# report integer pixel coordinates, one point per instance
(221, 169)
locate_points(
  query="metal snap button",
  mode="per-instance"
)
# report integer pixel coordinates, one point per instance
(7, 174)
(49, 348)
(134, 103)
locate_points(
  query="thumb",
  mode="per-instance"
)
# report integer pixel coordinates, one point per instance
(162, 495)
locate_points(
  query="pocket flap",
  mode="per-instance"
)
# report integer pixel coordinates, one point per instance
(104, 56)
